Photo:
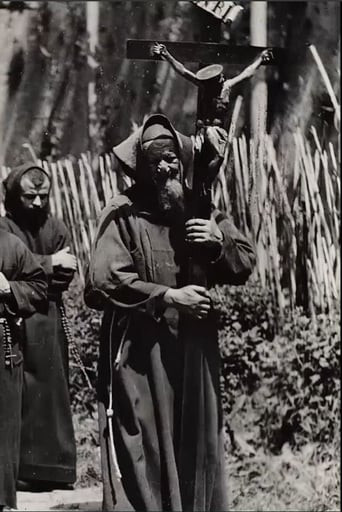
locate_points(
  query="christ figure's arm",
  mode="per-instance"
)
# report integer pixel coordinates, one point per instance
(248, 72)
(160, 49)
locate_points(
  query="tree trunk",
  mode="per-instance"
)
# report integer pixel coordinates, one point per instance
(258, 26)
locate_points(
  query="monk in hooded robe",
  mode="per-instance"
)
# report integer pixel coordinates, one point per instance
(160, 420)
(23, 288)
(48, 451)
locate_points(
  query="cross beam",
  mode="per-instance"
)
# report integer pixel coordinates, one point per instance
(206, 53)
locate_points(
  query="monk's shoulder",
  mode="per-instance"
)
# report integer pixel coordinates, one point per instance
(55, 225)
(6, 224)
(12, 243)
(120, 210)
(6, 237)
(119, 206)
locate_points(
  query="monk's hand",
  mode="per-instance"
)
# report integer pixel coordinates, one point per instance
(203, 232)
(192, 300)
(64, 259)
(5, 289)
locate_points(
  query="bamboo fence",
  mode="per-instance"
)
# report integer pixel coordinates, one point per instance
(292, 215)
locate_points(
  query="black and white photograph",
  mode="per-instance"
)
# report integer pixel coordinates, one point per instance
(170, 255)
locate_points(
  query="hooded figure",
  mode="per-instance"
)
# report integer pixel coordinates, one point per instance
(48, 451)
(160, 421)
(23, 289)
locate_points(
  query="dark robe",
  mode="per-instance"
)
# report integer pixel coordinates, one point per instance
(29, 288)
(48, 450)
(167, 422)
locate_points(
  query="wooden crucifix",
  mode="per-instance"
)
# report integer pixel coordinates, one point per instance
(210, 81)
(213, 92)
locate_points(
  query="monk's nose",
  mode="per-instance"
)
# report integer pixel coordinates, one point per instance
(37, 202)
(164, 168)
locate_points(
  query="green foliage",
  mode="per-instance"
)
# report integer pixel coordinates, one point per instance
(280, 394)
(304, 479)
(276, 388)
(85, 327)
(280, 388)
(88, 450)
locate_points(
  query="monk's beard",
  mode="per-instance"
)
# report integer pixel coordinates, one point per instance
(31, 218)
(170, 197)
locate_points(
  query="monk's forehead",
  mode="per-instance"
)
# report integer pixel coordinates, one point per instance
(158, 147)
(34, 180)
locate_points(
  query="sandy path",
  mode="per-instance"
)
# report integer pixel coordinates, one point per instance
(88, 499)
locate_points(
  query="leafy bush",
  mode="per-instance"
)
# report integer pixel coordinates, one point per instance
(305, 479)
(277, 388)
(84, 324)
(85, 328)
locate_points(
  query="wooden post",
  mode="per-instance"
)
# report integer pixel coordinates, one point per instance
(258, 28)
(92, 10)
(13, 34)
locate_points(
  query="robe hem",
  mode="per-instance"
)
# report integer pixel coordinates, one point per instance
(47, 473)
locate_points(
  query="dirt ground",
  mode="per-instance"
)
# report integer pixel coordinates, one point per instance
(88, 499)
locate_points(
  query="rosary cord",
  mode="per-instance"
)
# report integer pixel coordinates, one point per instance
(72, 345)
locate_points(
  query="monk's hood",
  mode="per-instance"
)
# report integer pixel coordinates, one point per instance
(12, 184)
(129, 150)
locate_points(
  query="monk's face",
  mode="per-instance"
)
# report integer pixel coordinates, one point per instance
(164, 166)
(34, 197)
(164, 169)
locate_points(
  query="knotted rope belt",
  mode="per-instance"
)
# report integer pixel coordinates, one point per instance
(8, 343)
(114, 366)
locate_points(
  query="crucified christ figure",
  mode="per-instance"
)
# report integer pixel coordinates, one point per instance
(215, 88)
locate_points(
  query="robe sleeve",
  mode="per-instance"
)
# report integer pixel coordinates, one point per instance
(236, 260)
(58, 278)
(28, 285)
(112, 276)
(46, 263)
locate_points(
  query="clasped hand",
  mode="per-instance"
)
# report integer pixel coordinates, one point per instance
(64, 259)
(192, 300)
(203, 232)
(5, 288)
